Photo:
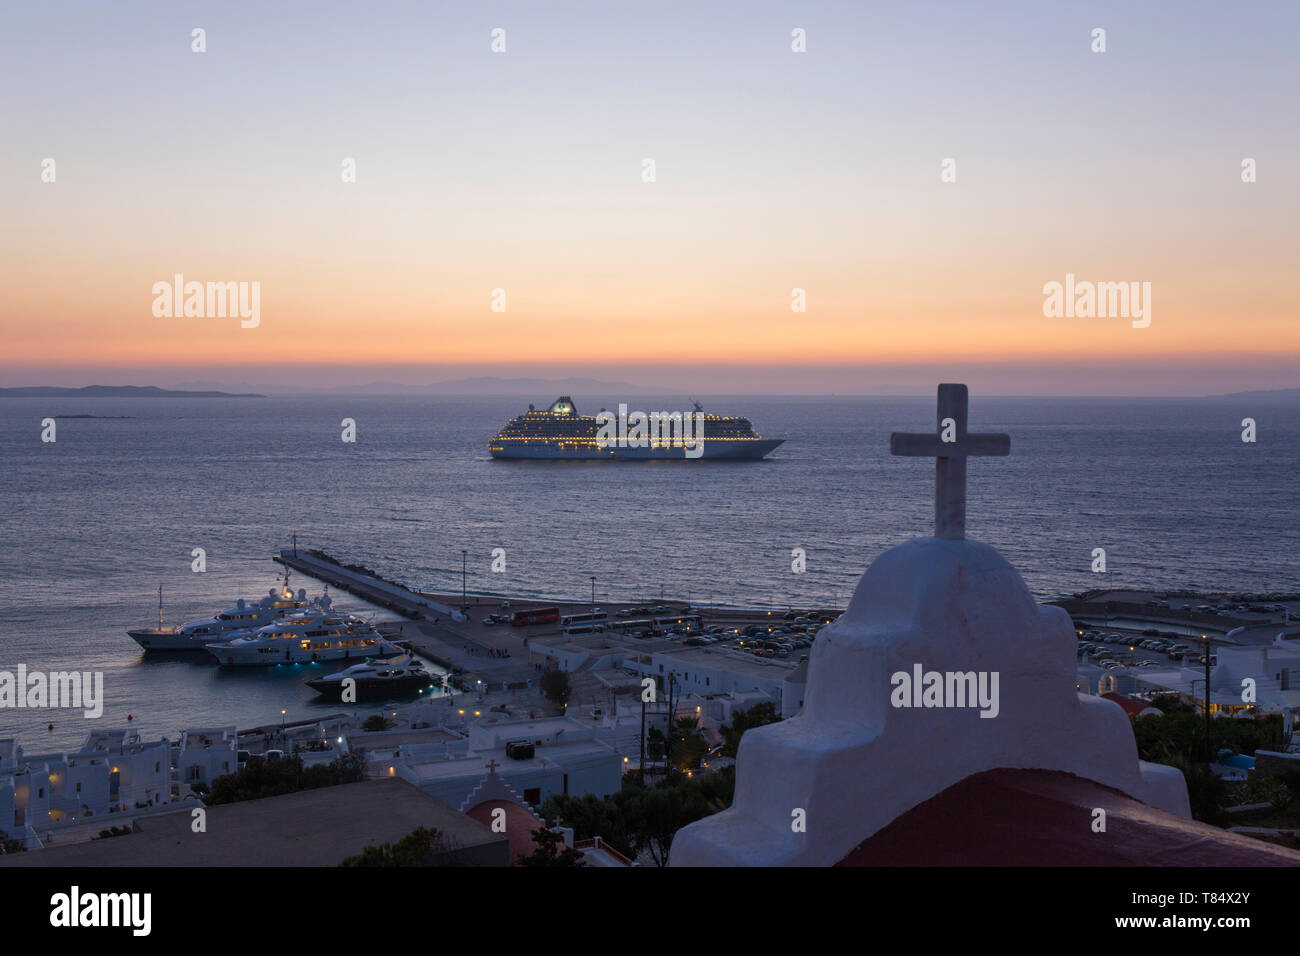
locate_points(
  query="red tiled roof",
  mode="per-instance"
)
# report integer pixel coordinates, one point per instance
(520, 824)
(1045, 818)
(1131, 705)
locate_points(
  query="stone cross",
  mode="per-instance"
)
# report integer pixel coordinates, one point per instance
(492, 765)
(950, 448)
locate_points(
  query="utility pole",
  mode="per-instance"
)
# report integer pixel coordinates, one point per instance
(641, 765)
(1209, 751)
(668, 731)
(593, 592)
(464, 602)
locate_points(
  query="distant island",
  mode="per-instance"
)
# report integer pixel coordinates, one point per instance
(1266, 393)
(113, 391)
(488, 385)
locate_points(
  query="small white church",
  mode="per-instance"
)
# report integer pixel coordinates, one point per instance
(941, 725)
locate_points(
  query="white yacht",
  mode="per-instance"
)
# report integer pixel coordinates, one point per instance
(228, 624)
(319, 634)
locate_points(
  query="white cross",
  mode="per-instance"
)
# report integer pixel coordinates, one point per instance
(950, 448)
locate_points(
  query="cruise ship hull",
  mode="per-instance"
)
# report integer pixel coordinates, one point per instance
(714, 450)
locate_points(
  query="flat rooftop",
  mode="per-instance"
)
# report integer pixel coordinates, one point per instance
(309, 828)
(387, 739)
(475, 765)
(737, 662)
(532, 729)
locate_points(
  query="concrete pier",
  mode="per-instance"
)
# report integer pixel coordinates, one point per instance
(370, 586)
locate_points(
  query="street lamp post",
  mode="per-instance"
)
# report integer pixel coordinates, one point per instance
(593, 592)
(464, 601)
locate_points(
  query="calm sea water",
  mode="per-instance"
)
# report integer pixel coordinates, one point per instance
(92, 524)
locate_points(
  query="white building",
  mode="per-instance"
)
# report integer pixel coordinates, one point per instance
(114, 771)
(204, 754)
(567, 758)
(1268, 673)
(706, 670)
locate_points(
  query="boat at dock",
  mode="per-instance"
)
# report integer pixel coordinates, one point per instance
(313, 636)
(377, 679)
(237, 621)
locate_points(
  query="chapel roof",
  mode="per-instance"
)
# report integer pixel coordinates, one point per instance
(1011, 817)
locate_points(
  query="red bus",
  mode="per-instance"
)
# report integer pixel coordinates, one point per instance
(537, 615)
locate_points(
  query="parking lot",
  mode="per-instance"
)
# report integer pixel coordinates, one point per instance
(1113, 649)
(782, 635)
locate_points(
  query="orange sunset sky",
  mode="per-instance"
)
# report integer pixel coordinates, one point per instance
(775, 170)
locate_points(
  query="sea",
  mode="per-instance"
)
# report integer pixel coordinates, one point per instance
(93, 523)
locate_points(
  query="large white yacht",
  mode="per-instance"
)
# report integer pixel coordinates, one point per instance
(318, 634)
(233, 622)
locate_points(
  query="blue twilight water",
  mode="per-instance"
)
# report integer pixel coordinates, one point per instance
(91, 524)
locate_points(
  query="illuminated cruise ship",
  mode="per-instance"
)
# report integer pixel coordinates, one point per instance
(562, 433)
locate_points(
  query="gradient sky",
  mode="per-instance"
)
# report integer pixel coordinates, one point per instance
(776, 170)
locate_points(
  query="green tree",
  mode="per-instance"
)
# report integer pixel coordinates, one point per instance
(741, 721)
(555, 685)
(1177, 738)
(654, 743)
(1207, 792)
(420, 847)
(548, 852)
(591, 816)
(259, 778)
(645, 818)
(375, 723)
(689, 744)
(1172, 704)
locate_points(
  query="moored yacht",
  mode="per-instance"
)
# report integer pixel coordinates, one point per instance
(316, 635)
(233, 622)
(386, 679)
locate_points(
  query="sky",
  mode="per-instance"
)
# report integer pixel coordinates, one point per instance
(523, 171)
